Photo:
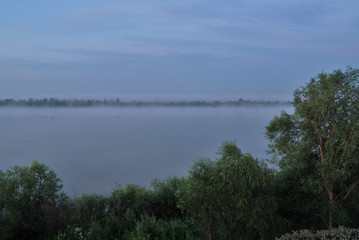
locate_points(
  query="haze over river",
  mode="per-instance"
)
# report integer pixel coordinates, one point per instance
(94, 149)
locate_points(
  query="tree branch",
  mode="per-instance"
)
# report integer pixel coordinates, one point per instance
(351, 188)
(312, 162)
(347, 143)
(348, 190)
(321, 145)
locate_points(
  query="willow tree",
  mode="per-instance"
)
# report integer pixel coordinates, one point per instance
(231, 198)
(322, 135)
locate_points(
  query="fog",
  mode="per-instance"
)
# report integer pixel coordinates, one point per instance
(95, 149)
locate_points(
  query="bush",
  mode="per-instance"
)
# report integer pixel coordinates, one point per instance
(339, 233)
(29, 202)
(150, 228)
(165, 201)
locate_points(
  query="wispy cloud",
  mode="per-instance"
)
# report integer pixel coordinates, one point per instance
(90, 17)
(188, 39)
(3, 26)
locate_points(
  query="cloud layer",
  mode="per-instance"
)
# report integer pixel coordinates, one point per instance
(173, 47)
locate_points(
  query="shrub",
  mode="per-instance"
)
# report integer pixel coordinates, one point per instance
(339, 233)
(150, 228)
(29, 202)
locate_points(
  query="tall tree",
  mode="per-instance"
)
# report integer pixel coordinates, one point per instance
(322, 136)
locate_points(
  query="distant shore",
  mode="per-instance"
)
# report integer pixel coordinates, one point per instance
(55, 102)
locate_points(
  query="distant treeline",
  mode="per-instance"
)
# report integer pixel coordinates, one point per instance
(54, 102)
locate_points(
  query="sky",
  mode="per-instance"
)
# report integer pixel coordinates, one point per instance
(261, 49)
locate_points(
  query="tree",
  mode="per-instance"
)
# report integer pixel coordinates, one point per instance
(28, 202)
(197, 198)
(321, 138)
(246, 203)
(164, 199)
(231, 198)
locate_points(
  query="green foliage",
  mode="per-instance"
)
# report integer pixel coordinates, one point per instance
(321, 140)
(92, 214)
(131, 202)
(196, 197)
(71, 233)
(339, 233)
(28, 202)
(298, 208)
(231, 198)
(91, 207)
(104, 228)
(154, 229)
(99, 217)
(164, 202)
(132, 212)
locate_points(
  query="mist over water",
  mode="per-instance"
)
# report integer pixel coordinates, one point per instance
(94, 149)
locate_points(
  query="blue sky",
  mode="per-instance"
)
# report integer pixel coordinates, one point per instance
(252, 49)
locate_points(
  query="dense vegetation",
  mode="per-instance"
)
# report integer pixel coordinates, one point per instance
(54, 102)
(235, 196)
(340, 233)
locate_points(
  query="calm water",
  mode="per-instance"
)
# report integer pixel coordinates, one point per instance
(94, 149)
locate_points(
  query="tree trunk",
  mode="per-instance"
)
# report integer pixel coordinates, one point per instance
(331, 203)
(209, 227)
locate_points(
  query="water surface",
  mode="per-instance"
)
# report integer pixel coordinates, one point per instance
(94, 149)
